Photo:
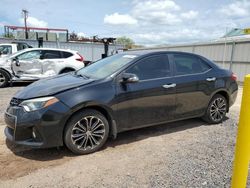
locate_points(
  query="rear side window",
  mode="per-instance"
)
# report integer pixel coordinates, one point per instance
(21, 46)
(204, 66)
(66, 54)
(51, 54)
(156, 66)
(186, 64)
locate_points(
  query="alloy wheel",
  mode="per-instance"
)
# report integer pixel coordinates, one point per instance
(88, 133)
(218, 109)
(2, 78)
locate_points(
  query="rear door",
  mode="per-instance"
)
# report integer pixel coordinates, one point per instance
(191, 84)
(52, 62)
(152, 99)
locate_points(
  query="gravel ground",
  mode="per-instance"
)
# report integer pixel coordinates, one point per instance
(187, 153)
(5, 96)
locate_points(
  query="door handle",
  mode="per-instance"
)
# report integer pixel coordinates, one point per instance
(166, 86)
(211, 79)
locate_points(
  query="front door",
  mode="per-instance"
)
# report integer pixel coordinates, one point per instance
(28, 65)
(149, 101)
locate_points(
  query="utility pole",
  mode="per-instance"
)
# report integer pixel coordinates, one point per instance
(25, 16)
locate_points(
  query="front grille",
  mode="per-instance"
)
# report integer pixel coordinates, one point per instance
(15, 102)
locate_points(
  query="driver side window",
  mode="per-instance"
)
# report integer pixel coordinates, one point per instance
(152, 67)
(31, 55)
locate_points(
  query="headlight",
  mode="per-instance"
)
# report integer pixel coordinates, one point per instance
(38, 103)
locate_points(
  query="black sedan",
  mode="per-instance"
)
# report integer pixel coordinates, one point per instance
(122, 92)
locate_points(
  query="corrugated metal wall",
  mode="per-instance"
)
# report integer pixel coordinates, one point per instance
(236, 53)
(90, 51)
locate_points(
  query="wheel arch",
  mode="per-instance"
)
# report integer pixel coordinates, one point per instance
(224, 93)
(103, 110)
(66, 68)
(9, 74)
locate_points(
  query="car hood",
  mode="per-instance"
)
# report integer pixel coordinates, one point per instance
(53, 85)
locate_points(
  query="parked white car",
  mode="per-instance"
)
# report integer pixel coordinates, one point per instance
(36, 63)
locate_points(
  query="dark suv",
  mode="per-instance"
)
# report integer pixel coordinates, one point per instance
(122, 92)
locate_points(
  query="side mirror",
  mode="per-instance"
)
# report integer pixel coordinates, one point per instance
(129, 78)
(16, 61)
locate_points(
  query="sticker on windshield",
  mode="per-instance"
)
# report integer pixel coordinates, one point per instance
(130, 56)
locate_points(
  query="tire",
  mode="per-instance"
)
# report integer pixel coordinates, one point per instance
(4, 78)
(83, 139)
(216, 110)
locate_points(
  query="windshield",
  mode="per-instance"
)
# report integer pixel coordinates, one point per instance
(106, 66)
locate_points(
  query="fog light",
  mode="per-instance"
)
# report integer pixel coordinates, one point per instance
(33, 133)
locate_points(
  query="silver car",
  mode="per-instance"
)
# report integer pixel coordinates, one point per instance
(36, 63)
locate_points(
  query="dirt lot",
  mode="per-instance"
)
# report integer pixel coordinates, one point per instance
(183, 154)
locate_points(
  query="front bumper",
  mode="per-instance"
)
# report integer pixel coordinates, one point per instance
(39, 129)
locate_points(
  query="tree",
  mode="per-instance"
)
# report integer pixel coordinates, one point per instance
(125, 41)
(73, 36)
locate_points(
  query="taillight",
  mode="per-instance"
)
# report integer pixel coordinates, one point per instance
(234, 77)
(80, 58)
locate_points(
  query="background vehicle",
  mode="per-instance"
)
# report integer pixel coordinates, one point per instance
(10, 48)
(122, 92)
(36, 63)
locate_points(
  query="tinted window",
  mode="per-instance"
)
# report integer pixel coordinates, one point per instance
(51, 54)
(30, 55)
(21, 46)
(152, 67)
(186, 64)
(5, 49)
(204, 66)
(66, 54)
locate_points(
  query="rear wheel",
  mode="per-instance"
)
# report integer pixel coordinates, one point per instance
(216, 110)
(4, 79)
(86, 132)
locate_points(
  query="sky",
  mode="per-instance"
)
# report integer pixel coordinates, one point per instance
(147, 22)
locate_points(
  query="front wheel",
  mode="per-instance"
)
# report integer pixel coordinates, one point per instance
(86, 132)
(4, 79)
(216, 110)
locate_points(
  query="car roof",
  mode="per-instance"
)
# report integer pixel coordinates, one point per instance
(7, 44)
(152, 52)
(58, 49)
(144, 53)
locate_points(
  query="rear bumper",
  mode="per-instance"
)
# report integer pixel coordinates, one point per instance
(39, 129)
